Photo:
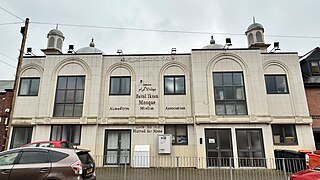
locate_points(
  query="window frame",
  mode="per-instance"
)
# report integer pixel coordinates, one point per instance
(30, 80)
(175, 133)
(250, 160)
(224, 101)
(283, 134)
(259, 37)
(65, 103)
(174, 84)
(27, 130)
(119, 88)
(318, 65)
(275, 83)
(70, 133)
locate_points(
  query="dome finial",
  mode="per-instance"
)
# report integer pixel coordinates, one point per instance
(57, 26)
(254, 20)
(212, 41)
(92, 43)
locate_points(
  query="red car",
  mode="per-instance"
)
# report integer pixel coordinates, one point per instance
(54, 143)
(308, 174)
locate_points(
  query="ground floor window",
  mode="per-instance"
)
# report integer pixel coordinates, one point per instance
(71, 133)
(178, 132)
(117, 148)
(284, 134)
(316, 135)
(20, 136)
(250, 148)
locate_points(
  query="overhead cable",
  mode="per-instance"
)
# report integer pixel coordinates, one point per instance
(8, 57)
(11, 13)
(167, 31)
(7, 64)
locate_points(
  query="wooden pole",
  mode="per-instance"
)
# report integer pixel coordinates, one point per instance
(24, 31)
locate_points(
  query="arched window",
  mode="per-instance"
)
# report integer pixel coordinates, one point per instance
(250, 38)
(59, 44)
(259, 36)
(51, 42)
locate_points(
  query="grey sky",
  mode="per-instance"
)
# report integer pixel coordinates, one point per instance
(279, 17)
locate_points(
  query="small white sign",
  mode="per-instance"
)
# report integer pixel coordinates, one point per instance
(212, 141)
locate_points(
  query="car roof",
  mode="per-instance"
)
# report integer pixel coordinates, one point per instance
(48, 141)
(66, 150)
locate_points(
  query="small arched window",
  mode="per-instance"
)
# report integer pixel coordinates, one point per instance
(51, 42)
(59, 44)
(250, 38)
(259, 36)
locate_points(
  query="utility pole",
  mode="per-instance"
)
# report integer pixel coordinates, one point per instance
(23, 31)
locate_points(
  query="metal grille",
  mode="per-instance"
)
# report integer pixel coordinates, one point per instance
(198, 168)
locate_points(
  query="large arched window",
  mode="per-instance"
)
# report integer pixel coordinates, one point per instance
(229, 93)
(259, 36)
(250, 38)
(51, 42)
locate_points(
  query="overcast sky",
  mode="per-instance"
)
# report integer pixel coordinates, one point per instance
(222, 18)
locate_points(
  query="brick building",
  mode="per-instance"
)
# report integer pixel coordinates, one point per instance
(310, 67)
(6, 93)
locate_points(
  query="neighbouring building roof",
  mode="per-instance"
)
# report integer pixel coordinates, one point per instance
(6, 84)
(308, 54)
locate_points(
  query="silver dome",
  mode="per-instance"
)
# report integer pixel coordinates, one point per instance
(86, 50)
(90, 49)
(55, 32)
(213, 45)
(255, 26)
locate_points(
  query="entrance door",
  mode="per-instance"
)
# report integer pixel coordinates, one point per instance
(250, 148)
(117, 147)
(218, 147)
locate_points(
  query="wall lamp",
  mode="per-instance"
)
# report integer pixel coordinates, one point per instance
(120, 52)
(173, 50)
(276, 47)
(228, 43)
(29, 51)
(71, 49)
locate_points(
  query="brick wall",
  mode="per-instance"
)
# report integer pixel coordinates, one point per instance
(313, 98)
(5, 103)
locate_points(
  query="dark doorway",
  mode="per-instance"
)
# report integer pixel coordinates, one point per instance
(117, 147)
(218, 147)
(250, 148)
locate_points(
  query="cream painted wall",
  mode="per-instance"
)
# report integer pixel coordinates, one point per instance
(147, 103)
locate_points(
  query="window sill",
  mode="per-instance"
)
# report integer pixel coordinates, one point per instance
(177, 144)
(27, 95)
(119, 94)
(284, 144)
(174, 94)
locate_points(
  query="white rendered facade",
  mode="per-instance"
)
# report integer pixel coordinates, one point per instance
(139, 116)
